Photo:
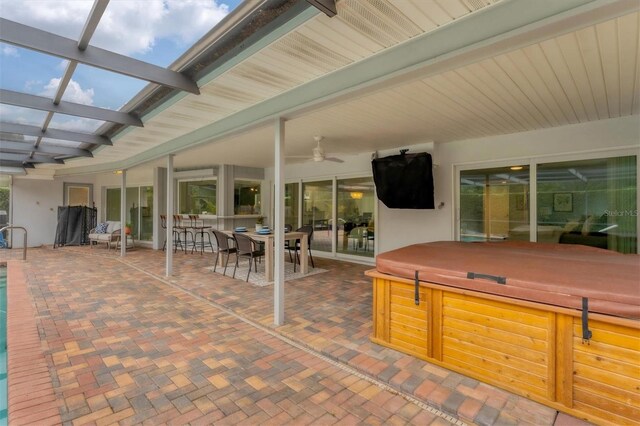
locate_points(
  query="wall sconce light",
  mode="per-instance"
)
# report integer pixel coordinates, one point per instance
(356, 195)
(117, 172)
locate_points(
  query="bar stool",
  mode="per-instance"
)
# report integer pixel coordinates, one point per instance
(181, 227)
(176, 235)
(198, 227)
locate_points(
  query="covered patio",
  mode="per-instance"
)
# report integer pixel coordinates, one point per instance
(125, 344)
(529, 111)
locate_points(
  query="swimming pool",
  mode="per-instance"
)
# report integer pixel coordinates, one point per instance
(3, 345)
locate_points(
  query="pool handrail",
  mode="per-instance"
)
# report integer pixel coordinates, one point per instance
(24, 253)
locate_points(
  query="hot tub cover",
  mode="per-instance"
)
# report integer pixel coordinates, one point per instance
(554, 274)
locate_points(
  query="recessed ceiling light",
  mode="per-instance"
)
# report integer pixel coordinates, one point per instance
(516, 167)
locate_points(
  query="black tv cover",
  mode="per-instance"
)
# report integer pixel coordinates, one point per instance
(404, 181)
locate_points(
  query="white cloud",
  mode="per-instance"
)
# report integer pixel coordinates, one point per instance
(7, 50)
(63, 17)
(31, 85)
(73, 93)
(127, 27)
(14, 114)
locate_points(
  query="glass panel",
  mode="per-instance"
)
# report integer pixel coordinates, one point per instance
(291, 204)
(197, 197)
(317, 208)
(246, 197)
(146, 213)
(494, 204)
(78, 196)
(356, 221)
(589, 202)
(113, 204)
(133, 211)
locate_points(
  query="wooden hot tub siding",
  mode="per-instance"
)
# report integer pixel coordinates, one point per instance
(528, 348)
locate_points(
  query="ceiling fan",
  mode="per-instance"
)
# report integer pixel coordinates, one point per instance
(318, 153)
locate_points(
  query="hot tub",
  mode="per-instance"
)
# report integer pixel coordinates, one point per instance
(558, 324)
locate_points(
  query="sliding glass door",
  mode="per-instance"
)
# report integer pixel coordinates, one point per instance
(588, 202)
(494, 204)
(344, 217)
(317, 210)
(355, 224)
(139, 210)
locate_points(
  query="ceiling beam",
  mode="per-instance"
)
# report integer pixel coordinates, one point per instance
(328, 7)
(28, 147)
(65, 135)
(13, 170)
(35, 158)
(45, 104)
(16, 164)
(52, 44)
(99, 6)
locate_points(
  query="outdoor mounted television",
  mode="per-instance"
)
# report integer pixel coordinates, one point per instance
(404, 181)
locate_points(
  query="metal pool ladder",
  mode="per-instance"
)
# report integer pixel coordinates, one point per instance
(24, 253)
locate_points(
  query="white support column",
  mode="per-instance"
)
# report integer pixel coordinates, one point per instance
(532, 204)
(123, 214)
(334, 218)
(278, 224)
(169, 236)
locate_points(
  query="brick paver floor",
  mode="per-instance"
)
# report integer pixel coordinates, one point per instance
(124, 344)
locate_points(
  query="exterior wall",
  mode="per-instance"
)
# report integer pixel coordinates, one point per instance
(398, 228)
(35, 207)
(35, 202)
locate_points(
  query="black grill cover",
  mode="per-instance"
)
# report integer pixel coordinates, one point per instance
(404, 181)
(74, 224)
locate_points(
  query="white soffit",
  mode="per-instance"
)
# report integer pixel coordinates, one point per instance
(588, 75)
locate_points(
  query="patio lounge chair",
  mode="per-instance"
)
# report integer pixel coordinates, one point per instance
(110, 235)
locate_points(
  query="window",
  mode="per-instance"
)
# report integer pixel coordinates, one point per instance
(113, 204)
(589, 202)
(78, 194)
(494, 204)
(355, 228)
(197, 197)
(246, 197)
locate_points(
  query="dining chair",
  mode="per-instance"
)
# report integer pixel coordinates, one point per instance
(287, 243)
(307, 229)
(247, 247)
(222, 241)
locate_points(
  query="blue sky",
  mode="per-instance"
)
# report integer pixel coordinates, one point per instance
(155, 31)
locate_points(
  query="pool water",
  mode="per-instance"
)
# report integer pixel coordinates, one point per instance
(3, 345)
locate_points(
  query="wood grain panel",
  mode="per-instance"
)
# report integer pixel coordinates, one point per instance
(496, 373)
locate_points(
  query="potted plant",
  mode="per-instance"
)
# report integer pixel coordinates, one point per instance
(259, 222)
(127, 228)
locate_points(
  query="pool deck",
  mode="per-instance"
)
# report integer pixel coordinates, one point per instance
(98, 339)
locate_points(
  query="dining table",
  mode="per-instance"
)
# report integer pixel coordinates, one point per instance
(269, 248)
